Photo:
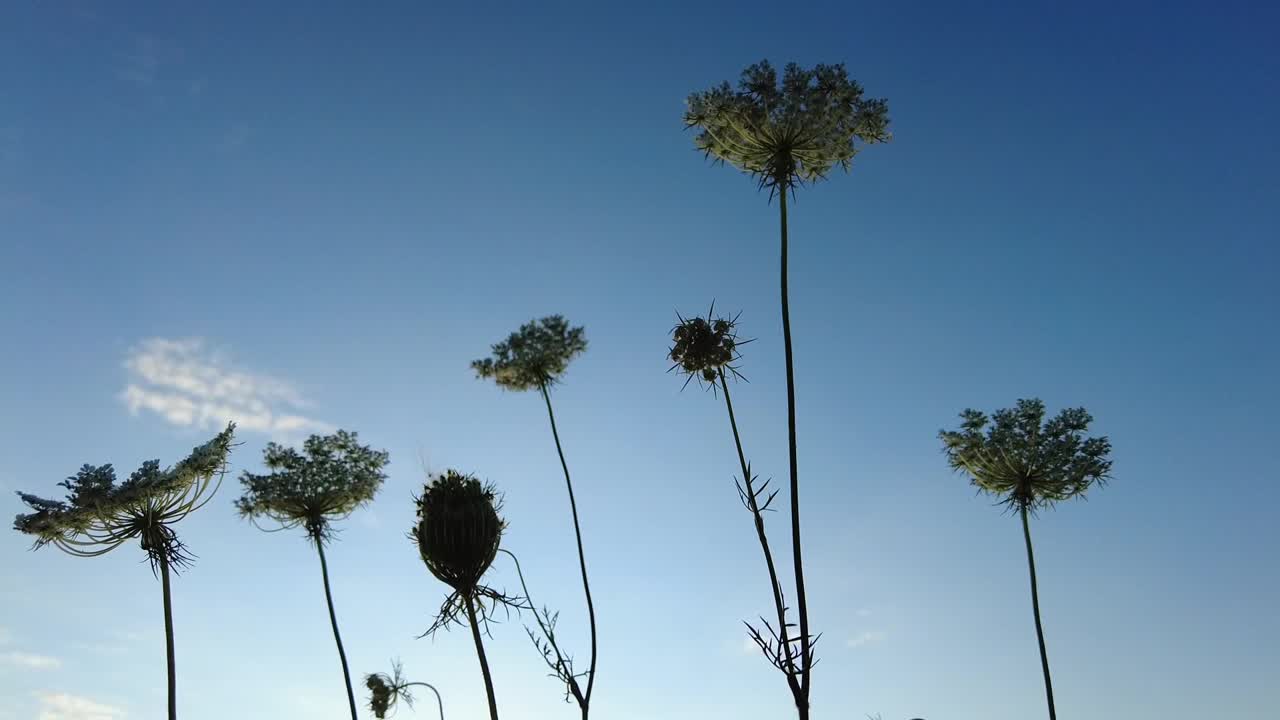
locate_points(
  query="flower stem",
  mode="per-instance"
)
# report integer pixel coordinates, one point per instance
(337, 637)
(1035, 607)
(582, 558)
(168, 637)
(802, 604)
(432, 688)
(758, 515)
(560, 663)
(484, 661)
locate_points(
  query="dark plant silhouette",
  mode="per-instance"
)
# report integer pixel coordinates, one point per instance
(546, 643)
(98, 516)
(312, 489)
(386, 691)
(1029, 463)
(786, 135)
(533, 358)
(706, 349)
(458, 533)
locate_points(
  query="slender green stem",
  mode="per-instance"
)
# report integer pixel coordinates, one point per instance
(758, 515)
(802, 605)
(337, 637)
(168, 638)
(484, 661)
(1035, 606)
(432, 688)
(582, 558)
(559, 663)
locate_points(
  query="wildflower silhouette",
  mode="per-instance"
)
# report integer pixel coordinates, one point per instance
(533, 358)
(99, 516)
(386, 691)
(326, 482)
(1031, 464)
(784, 136)
(706, 349)
(458, 533)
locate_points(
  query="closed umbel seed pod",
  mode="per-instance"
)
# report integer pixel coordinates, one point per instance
(458, 530)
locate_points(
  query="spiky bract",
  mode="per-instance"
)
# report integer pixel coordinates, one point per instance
(327, 481)
(534, 356)
(1029, 462)
(98, 515)
(789, 133)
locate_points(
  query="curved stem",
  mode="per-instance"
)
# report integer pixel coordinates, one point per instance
(757, 514)
(802, 605)
(1035, 607)
(560, 665)
(337, 637)
(582, 559)
(432, 688)
(168, 638)
(484, 661)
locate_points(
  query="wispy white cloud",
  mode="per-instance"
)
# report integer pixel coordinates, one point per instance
(117, 642)
(190, 385)
(869, 637)
(62, 706)
(31, 661)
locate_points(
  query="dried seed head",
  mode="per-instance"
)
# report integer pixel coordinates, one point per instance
(458, 530)
(702, 347)
(382, 694)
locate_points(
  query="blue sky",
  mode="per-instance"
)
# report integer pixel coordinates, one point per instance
(338, 208)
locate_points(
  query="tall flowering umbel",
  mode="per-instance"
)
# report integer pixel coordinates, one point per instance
(1029, 463)
(458, 534)
(784, 134)
(533, 358)
(328, 480)
(788, 133)
(706, 349)
(98, 516)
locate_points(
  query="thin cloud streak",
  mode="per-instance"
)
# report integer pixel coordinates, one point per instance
(189, 385)
(870, 637)
(30, 661)
(63, 706)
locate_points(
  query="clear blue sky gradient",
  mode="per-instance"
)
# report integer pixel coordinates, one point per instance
(1080, 203)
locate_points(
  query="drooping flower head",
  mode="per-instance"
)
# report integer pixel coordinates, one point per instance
(98, 515)
(534, 356)
(388, 690)
(327, 481)
(702, 347)
(1029, 462)
(383, 693)
(788, 133)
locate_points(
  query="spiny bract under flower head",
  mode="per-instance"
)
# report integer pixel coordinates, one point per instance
(702, 347)
(458, 530)
(98, 515)
(534, 356)
(1031, 462)
(330, 478)
(791, 133)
